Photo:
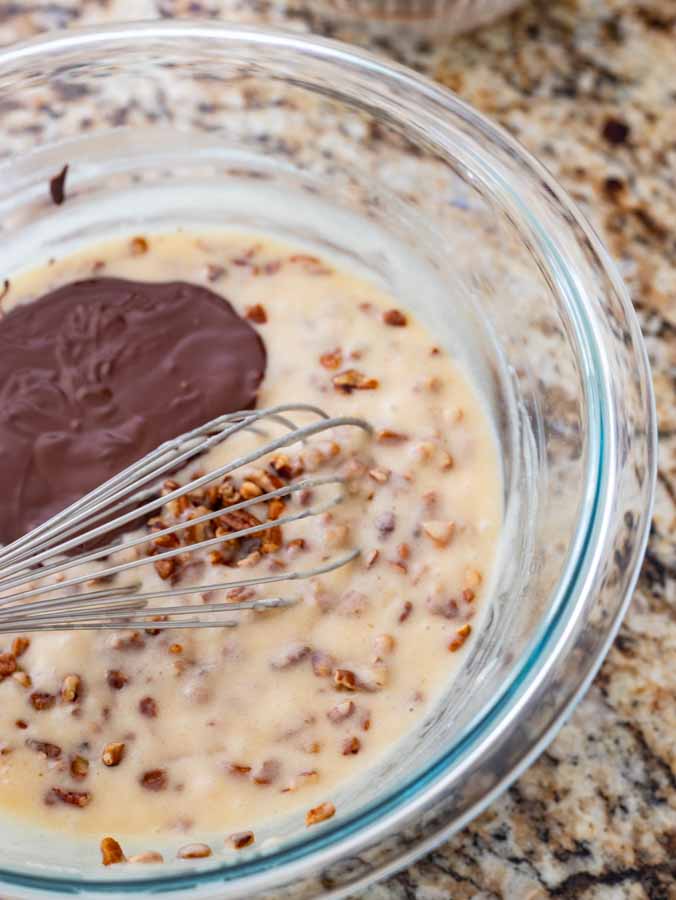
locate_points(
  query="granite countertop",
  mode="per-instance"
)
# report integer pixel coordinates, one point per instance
(590, 87)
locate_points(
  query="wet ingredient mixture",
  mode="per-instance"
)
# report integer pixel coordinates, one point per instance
(221, 730)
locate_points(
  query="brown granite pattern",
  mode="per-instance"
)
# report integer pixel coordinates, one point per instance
(590, 87)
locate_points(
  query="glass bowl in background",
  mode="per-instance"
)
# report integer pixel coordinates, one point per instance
(199, 125)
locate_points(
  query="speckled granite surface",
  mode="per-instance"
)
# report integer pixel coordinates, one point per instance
(589, 87)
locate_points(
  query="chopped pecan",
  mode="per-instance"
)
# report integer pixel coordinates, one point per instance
(176, 649)
(257, 314)
(345, 680)
(387, 436)
(380, 475)
(276, 507)
(51, 751)
(21, 723)
(41, 700)
(238, 769)
(166, 542)
(443, 606)
(70, 688)
(395, 317)
(336, 535)
(249, 490)
(267, 772)
(149, 856)
(22, 678)
(384, 644)
(139, 246)
(241, 839)
(439, 532)
(322, 664)
(406, 611)
(290, 655)
(372, 558)
(214, 272)
(239, 520)
(285, 468)
(194, 851)
(7, 665)
(302, 780)
(319, 813)
(165, 568)
(272, 539)
(202, 531)
(112, 754)
(134, 641)
(251, 559)
(111, 852)
(297, 544)
(385, 523)
(70, 798)
(79, 767)
(178, 506)
(341, 711)
(116, 679)
(351, 746)
(154, 780)
(147, 706)
(333, 359)
(226, 493)
(447, 461)
(19, 646)
(461, 636)
(353, 380)
(473, 578)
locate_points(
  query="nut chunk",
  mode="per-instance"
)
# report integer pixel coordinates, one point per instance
(461, 636)
(79, 767)
(147, 706)
(194, 851)
(319, 814)
(290, 655)
(395, 317)
(7, 665)
(439, 533)
(241, 839)
(112, 754)
(353, 380)
(116, 679)
(257, 314)
(70, 798)
(111, 852)
(150, 856)
(20, 645)
(70, 689)
(345, 680)
(41, 700)
(154, 780)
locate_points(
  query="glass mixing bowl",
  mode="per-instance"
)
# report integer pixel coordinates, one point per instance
(198, 125)
(429, 18)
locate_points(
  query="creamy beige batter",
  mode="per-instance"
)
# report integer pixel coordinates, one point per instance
(241, 730)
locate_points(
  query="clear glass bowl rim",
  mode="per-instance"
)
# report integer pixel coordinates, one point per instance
(346, 838)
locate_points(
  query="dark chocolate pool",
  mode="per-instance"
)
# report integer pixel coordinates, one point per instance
(97, 373)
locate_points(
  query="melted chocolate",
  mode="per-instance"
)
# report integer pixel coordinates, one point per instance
(96, 374)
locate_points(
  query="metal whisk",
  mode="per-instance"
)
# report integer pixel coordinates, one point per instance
(129, 498)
